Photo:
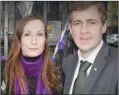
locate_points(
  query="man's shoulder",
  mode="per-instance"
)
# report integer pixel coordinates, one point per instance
(112, 56)
(70, 57)
(113, 51)
(67, 62)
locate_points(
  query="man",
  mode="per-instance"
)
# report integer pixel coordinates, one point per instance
(87, 24)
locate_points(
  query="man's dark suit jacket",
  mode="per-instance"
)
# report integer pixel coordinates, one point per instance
(102, 81)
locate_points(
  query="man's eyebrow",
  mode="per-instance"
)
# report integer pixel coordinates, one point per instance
(76, 21)
(81, 21)
(91, 20)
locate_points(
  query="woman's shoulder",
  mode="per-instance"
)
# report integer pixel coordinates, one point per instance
(3, 88)
(2, 68)
(55, 92)
(3, 85)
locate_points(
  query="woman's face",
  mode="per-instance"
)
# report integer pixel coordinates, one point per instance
(33, 38)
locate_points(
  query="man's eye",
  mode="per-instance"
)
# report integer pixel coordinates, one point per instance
(76, 23)
(92, 22)
(26, 34)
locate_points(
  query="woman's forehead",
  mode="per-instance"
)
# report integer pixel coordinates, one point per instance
(34, 25)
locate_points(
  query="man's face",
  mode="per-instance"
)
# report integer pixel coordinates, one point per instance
(86, 28)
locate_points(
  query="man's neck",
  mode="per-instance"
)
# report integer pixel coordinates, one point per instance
(86, 54)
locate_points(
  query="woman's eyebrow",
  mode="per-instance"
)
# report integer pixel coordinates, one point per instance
(41, 31)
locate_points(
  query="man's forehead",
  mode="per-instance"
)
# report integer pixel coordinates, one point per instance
(90, 13)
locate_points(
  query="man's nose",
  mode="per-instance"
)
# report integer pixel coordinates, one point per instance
(84, 29)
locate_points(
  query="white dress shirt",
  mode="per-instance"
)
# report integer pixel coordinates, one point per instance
(90, 58)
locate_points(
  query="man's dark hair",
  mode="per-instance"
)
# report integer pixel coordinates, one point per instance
(82, 5)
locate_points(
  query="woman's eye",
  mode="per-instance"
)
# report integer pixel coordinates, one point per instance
(26, 34)
(40, 34)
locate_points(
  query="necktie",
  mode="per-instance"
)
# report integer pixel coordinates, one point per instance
(81, 78)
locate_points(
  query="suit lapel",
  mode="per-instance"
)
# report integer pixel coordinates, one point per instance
(96, 69)
(73, 63)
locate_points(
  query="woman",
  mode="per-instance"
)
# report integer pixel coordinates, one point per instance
(28, 69)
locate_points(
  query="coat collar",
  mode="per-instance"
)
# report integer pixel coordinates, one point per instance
(97, 68)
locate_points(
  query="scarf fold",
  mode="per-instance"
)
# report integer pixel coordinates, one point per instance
(32, 69)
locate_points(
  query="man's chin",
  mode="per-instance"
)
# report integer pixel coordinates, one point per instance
(85, 48)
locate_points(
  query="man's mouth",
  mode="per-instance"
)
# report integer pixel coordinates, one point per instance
(85, 38)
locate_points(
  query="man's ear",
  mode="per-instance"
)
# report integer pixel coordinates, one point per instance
(104, 28)
(70, 28)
